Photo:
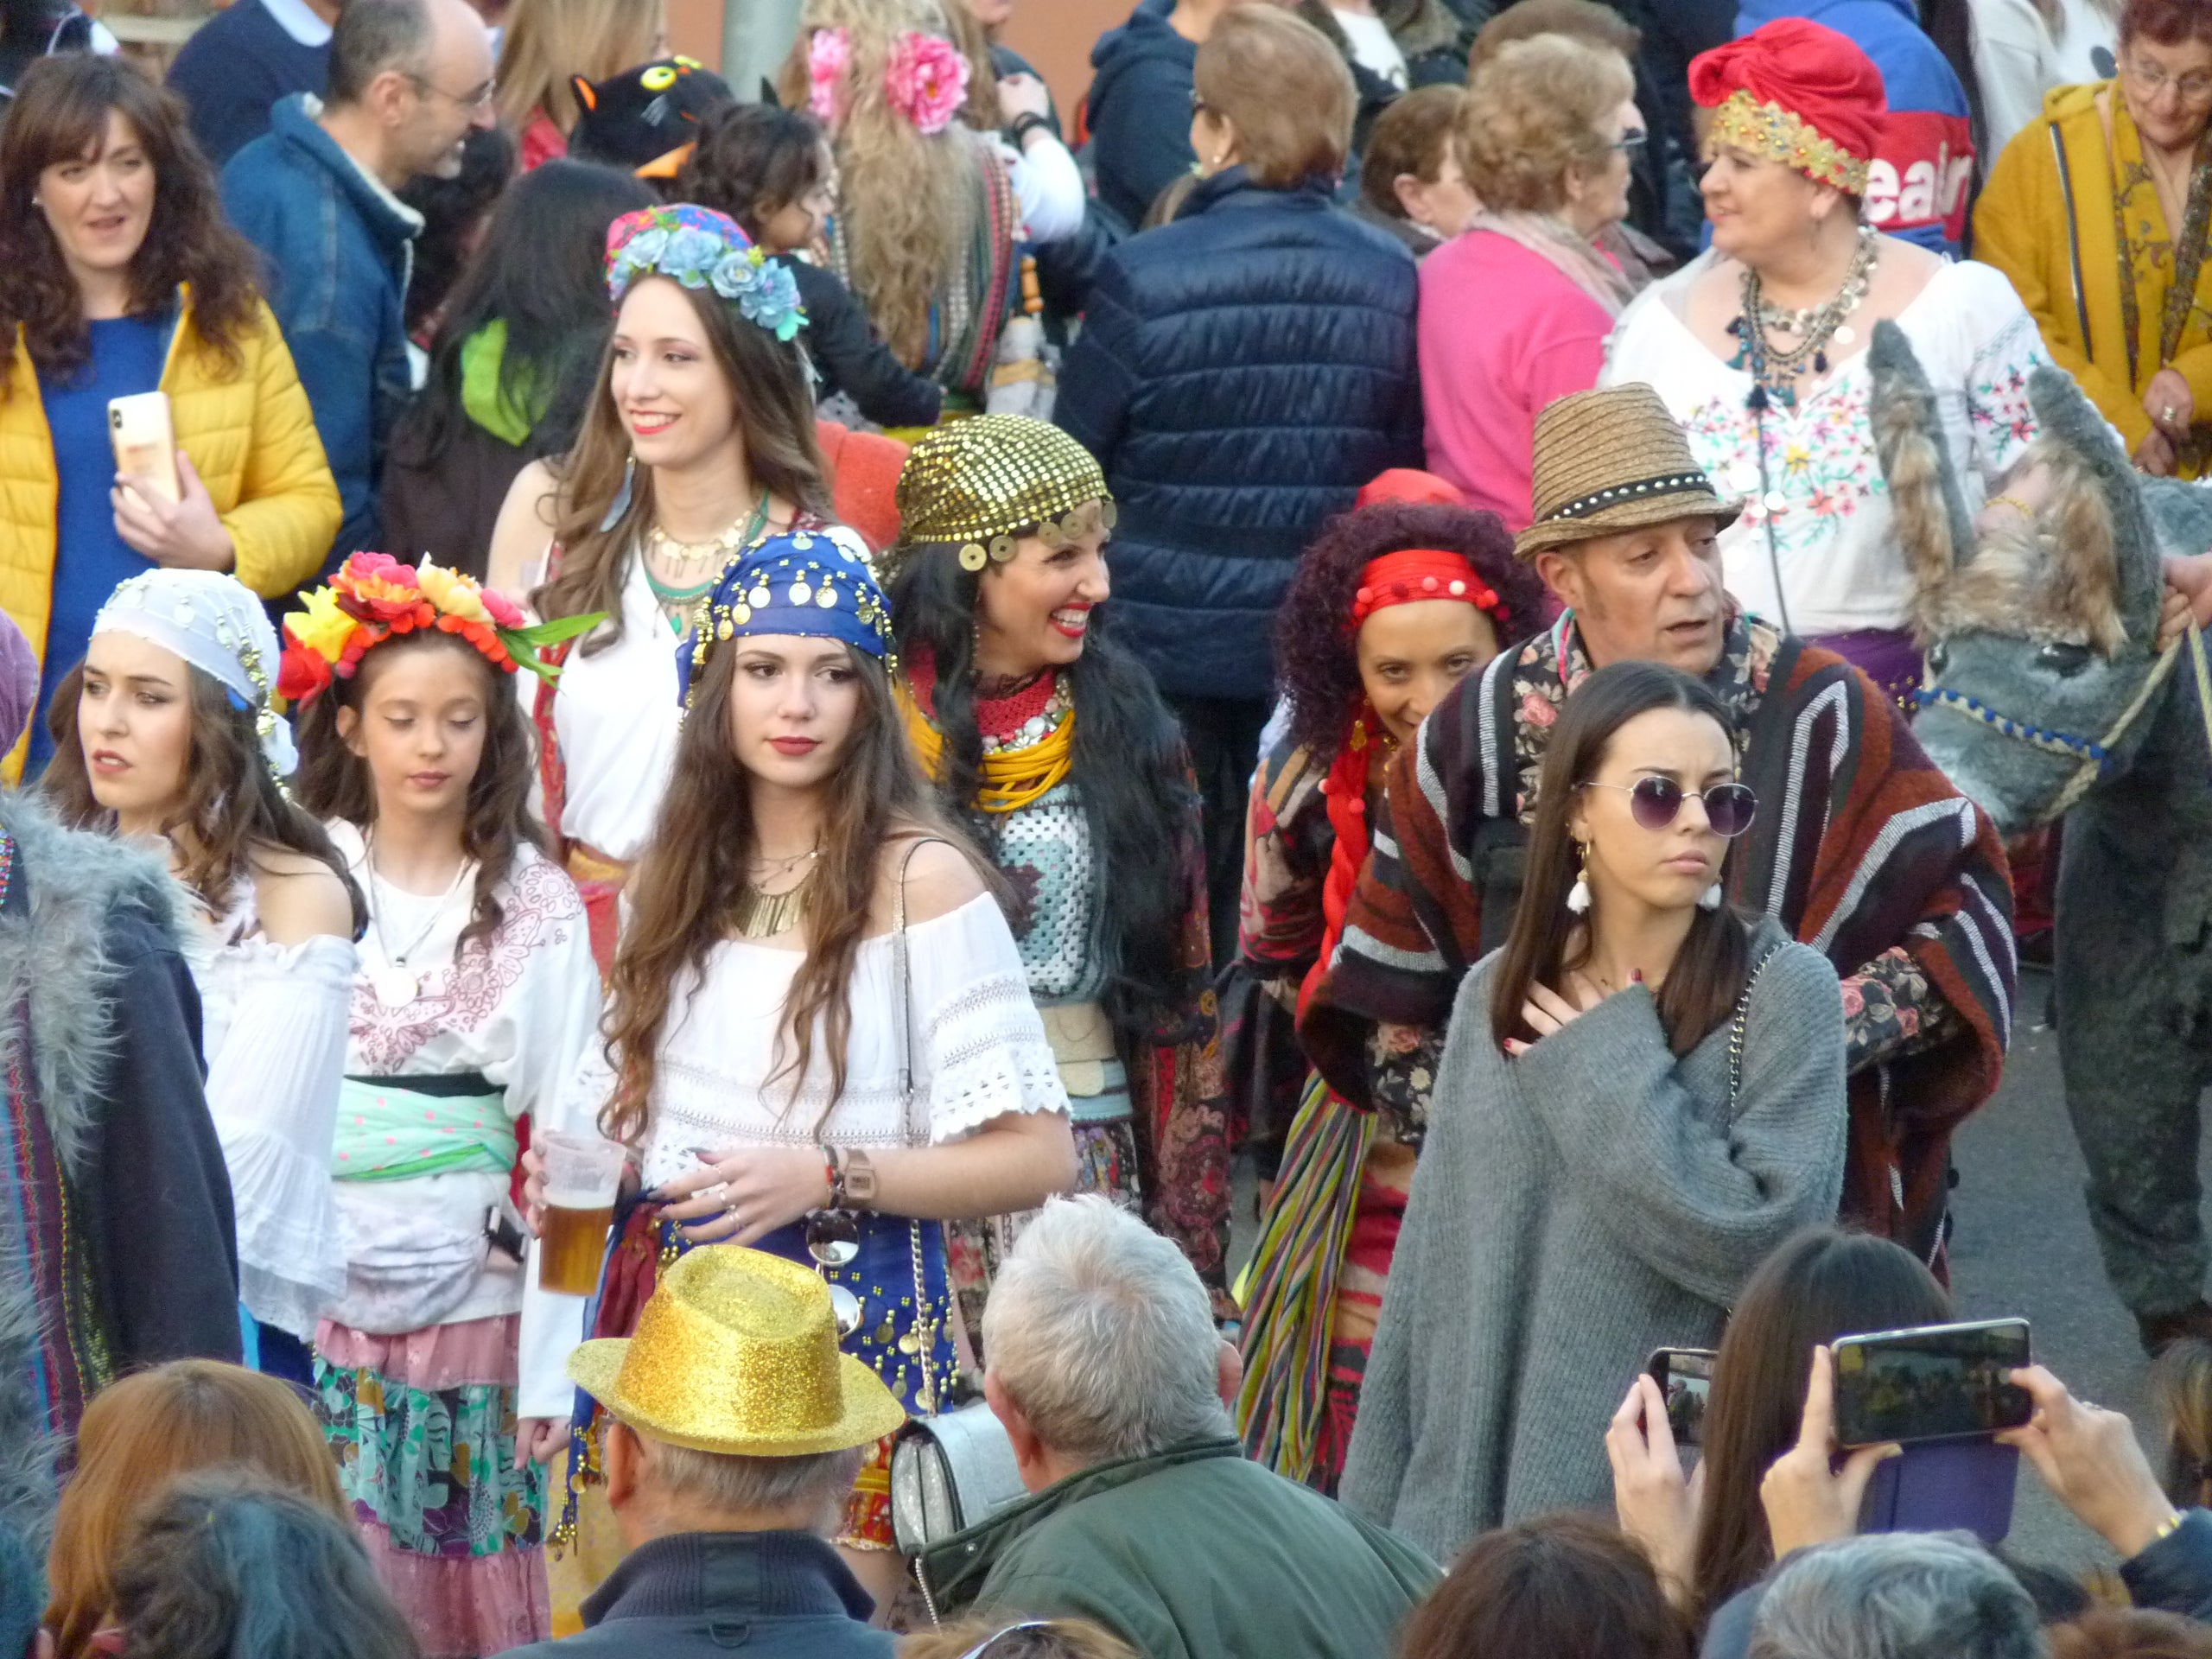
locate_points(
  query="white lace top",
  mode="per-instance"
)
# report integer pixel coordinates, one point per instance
(519, 1007)
(273, 1030)
(980, 1053)
(1834, 539)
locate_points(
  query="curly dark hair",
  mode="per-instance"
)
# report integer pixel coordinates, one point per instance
(1314, 641)
(333, 782)
(61, 114)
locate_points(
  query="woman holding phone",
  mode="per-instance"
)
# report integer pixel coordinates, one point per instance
(122, 279)
(1643, 1096)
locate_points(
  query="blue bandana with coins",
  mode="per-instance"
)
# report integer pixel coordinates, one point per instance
(979, 486)
(803, 583)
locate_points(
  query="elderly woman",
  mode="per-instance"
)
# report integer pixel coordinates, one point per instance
(1410, 182)
(1241, 372)
(1759, 347)
(1515, 313)
(2097, 212)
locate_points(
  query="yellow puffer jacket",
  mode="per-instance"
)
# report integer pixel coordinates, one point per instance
(2045, 219)
(251, 438)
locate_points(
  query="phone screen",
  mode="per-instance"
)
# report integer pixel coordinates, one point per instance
(1939, 1381)
(1685, 1375)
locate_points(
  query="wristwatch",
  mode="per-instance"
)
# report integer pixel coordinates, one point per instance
(859, 1181)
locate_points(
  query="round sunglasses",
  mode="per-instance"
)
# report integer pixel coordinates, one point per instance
(1657, 801)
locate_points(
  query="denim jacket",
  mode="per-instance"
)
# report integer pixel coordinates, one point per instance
(336, 248)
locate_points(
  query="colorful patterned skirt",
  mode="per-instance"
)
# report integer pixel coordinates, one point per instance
(423, 1428)
(904, 1334)
(1316, 1286)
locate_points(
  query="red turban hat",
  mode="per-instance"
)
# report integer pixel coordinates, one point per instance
(1798, 92)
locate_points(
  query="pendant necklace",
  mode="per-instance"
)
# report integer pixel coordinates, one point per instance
(1776, 369)
(677, 599)
(394, 984)
(758, 915)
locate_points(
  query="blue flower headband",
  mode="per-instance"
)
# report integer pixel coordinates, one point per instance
(805, 583)
(703, 249)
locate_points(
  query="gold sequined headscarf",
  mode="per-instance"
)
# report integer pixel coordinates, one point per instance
(980, 484)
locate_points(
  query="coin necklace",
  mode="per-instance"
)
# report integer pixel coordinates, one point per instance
(677, 599)
(1776, 369)
(394, 984)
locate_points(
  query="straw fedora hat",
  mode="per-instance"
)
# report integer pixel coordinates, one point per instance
(736, 1352)
(1612, 461)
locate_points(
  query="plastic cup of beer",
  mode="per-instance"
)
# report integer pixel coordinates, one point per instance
(582, 1174)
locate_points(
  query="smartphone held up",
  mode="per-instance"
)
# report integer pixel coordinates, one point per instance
(145, 442)
(1933, 1382)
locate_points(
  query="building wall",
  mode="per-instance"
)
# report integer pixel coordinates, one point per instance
(695, 27)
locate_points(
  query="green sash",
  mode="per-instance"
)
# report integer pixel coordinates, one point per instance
(392, 1128)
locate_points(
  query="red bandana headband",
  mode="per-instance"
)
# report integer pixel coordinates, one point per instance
(1417, 574)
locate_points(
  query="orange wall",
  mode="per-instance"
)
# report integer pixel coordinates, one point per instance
(1054, 35)
(695, 29)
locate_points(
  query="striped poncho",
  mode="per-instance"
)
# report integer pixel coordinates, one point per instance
(1862, 848)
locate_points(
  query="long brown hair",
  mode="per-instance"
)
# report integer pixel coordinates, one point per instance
(61, 114)
(140, 1433)
(335, 783)
(775, 421)
(1820, 1284)
(684, 892)
(1702, 986)
(233, 804)
(2180, 1397)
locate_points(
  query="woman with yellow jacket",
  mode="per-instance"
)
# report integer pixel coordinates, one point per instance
(122, 279)
(2081, 212)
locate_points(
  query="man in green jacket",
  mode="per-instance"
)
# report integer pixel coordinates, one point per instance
(1143, 1513)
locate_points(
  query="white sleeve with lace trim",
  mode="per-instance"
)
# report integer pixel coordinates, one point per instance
(981, 1047)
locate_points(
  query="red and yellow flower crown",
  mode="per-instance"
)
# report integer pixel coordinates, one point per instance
(374, 598)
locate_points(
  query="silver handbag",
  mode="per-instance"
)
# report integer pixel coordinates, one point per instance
(947, 1473)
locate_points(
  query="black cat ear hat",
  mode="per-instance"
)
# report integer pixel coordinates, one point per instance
(646, 120)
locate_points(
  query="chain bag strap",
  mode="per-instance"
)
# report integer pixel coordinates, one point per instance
(1736, 1032)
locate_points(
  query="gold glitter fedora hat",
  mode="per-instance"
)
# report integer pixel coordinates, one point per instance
(736, 1352)
(1610, 460)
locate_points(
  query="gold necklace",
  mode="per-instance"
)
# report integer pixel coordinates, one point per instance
(761, 915)
(742, 531)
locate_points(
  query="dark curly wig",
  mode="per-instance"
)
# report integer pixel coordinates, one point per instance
(61, 114)
(1314, 641)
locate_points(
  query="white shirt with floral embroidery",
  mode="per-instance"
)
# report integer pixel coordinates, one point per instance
(1833, 542)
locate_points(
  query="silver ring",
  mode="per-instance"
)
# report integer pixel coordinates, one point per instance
(730, 1210)
(2169, 413)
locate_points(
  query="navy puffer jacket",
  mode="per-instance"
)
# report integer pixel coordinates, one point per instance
(1241, 374)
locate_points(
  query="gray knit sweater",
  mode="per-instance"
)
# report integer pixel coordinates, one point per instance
(1572, 1210)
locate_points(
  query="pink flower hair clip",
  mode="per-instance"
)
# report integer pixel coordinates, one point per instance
(927, 81)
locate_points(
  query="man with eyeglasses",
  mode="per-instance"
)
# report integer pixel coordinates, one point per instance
(1862, 848)
(409, 80)
(2091, 211)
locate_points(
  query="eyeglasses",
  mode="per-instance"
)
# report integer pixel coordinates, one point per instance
(1657, 801)
(991, 1641)
(1199, 105)
(1631, 141)
(479, 99)
(2153, 80)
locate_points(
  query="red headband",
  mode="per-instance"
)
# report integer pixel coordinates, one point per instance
(1419, 573)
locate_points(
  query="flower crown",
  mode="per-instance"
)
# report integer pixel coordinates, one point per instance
(374, 598)
(704, 250)
(926, 79)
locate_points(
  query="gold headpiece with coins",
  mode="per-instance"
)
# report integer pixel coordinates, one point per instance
(978, 485)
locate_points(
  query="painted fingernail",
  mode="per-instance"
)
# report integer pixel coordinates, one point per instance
(1635, 976)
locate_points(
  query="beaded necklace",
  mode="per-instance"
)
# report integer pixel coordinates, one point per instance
(1776, 369)
(678, 602)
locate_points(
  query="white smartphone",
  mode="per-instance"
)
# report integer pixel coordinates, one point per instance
(145, 441)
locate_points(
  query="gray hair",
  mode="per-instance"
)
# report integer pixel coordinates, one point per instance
(1896, 1595)
(1101, 1334)
(373, 37)
(734, 1484)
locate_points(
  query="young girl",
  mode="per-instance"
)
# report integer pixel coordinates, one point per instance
(770, 170)
(699, 442)
(1049, 740)
(1643, 1097)
(819, 1027)
(167, 734)
(475, 998)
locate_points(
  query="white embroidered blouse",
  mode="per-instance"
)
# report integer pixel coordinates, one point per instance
(520, 1008)
(273, 1031)
(979, 1053)
(1834, 540)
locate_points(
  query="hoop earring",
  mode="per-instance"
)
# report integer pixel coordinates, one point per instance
(1578, 896)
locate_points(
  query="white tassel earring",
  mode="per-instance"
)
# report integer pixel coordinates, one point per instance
(1578, 896)
(1711, 897)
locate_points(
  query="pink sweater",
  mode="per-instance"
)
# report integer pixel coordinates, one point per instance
(1502, 333)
